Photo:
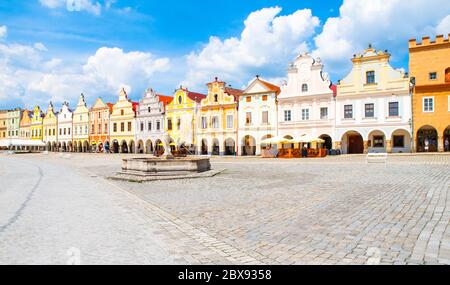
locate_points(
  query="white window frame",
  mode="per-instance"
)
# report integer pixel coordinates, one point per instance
(285, 115)
(423, 104)
(231, 125)
(305, 114)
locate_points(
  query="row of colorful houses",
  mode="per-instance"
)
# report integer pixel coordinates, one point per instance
(374, 108)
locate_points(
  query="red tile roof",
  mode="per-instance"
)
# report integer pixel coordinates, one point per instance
(334, 88)
(110, 105)
(234, 92)
(270, 86)
(165, 99)
(197, 97)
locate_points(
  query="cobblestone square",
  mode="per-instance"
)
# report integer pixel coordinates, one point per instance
(337, 210)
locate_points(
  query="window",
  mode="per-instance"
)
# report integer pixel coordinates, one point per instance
(215, 122)
(248, 118)
(248, 99)
(287, 115)
(216, 98)
(399, 141)
(393, 109)
(68, 131)
(99, 115)
(158, 125)
(115, 127)
(60, 131)
(180, 99)
(122, 127)
(121, 112)
(304, 87)
(264, 97)
(378, 141)
(178, 123)
(129, 126)
(428, 104)
(149, 109)
(142, 126)
(204, 123)
(324, 113)
(369, 110)
(305, 114)
(92, 129)
(106, 128)
(169, 124)
(433, 75)
(265, 117)
(149, 126)
(230, 122)
(370, 77)
(348, 111)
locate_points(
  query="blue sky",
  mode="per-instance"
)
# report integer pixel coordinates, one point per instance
(50, 51)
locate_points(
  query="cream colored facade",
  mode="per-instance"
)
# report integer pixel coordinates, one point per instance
(81, 126)
(257, 116)
(50, 129)
(25, 125)
(373, 108)
(13, 124)
(122, 125)
(218, 120)
(65, 130)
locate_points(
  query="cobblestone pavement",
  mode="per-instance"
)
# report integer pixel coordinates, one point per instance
(337, 210)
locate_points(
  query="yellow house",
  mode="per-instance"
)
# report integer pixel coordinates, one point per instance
(122, 125)
(36, 124)
(217, 127)
(81, 126)
(181, 117)
(429, 69)
(3, 124)
(50, 129)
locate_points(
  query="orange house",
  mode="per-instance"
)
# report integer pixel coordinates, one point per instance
(429, 68)
(99, 125)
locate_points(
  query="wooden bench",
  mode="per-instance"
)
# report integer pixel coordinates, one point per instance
(376, 157)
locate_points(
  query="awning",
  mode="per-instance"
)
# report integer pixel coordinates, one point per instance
(308, 139)
(19, 142)
(277, 140)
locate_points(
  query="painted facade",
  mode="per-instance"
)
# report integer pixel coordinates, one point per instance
(373, 108)
(429, 67)
(99, 125)
(182, 116)
(80, 127)
(122, 125)
(218, 120)
(50, 129)
(307, 101)
(36, 124)
(65, 130)
(25, 125)
(3, 124)
(150, 123)
(13, 123)
(257, 116)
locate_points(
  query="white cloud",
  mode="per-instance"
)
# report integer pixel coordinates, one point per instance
(74, 5)
(386, 24)
(28, 78)
(3, 31)
(444, 26)
(40, 47)
(267, 39)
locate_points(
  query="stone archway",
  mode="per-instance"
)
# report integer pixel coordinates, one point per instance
(140, 147)
(352, 143)
(204, 149)
(115, 146)
(124, 147)
(132, 147)
(427, 139)
(400, 141)
(446, 138)
(159, 147)
(328, 144)
(148, 146)
(377, 141)
(107, 147)
(230, 147)
(85, 146)
(215, 147)
(248, 145)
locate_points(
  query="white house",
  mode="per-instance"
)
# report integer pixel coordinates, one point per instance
(257, 114)
(373, 106)
(65, 128)
(306, 104)
(150, 120)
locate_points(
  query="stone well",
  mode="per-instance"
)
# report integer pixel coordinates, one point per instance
(165, 166)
